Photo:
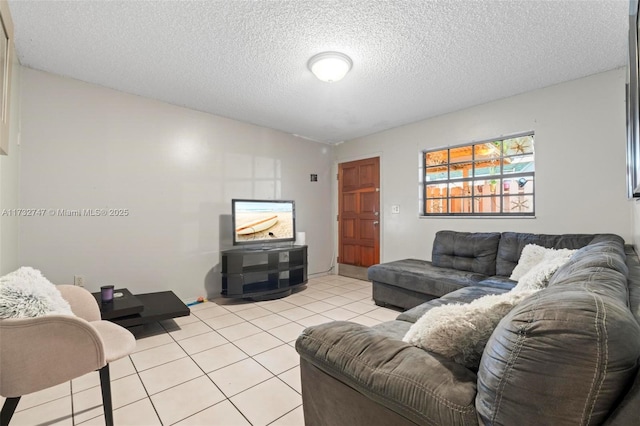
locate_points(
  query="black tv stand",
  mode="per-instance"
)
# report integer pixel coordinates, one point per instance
(254, 249)
(263, 273)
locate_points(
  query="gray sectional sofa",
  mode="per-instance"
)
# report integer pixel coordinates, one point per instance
(459, 260)
(566, 355)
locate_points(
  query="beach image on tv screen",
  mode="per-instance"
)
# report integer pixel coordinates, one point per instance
(263, 221)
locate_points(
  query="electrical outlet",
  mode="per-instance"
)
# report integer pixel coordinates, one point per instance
(78, 280)
(395, 209)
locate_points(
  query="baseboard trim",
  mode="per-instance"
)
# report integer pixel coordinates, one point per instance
(351, 271)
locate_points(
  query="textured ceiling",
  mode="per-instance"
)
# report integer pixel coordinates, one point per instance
(246, 60)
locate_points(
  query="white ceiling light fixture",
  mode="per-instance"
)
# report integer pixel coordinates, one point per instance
(330, 66)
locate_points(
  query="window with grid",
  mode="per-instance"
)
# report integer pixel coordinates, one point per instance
(490, 178)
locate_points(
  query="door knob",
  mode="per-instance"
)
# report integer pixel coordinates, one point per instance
(375, 222)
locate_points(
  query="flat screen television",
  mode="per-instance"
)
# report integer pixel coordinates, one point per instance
(633, 104)
(263, 221)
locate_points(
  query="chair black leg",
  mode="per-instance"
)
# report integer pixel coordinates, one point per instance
(105, 384)
(8, 409)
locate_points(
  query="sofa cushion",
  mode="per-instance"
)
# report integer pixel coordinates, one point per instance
(466, 251)
(464, 295)
(388, 294)
(460, 331)
(394, 329)
(422, 276)
(633, 265)
(423, 387)
(628, 411)
(512, 243)
(605, 259)
(497, 281)
(572, 348)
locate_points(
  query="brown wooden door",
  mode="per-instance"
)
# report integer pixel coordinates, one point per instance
(359, 212)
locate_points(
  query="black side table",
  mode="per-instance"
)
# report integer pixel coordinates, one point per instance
(122, 306)
(131, 310)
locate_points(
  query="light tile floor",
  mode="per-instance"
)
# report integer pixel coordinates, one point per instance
(231, 362)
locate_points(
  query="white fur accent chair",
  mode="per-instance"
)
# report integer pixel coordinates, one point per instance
(37, 353)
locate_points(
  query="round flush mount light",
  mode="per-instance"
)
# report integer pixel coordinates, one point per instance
(330, 66)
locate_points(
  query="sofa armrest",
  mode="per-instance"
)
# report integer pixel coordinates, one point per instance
(83, 304)
(416, 384)
(37, 353)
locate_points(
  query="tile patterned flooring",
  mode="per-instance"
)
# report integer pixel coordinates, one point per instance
(229, 363)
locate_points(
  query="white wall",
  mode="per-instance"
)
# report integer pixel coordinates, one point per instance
(636, 224)
(9, 168)
(176, 171)
(580, 163)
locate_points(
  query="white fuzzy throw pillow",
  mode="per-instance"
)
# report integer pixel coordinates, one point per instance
(461, 331)
(531, 255)
(538, 277)
(26, 293)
